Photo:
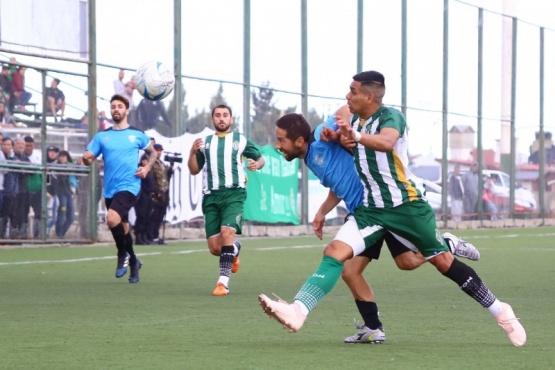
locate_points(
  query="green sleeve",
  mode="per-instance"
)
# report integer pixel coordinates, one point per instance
(251, 150)
(200, 159)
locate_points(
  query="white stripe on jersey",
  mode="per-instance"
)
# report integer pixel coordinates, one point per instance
(400, 152)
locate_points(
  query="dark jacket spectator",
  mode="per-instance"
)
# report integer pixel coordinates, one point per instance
(148, 114)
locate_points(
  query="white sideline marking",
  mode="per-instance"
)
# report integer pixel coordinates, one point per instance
(88, 259)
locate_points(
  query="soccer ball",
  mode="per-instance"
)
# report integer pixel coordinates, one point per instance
(154, 80)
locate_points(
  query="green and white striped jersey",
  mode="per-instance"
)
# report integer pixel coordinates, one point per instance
(222, 160)
(385, 176)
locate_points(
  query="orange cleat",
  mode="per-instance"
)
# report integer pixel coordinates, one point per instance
(236, 264)
(221, 290)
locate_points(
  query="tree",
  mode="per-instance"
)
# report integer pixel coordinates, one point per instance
(266, 114)
(203, 119)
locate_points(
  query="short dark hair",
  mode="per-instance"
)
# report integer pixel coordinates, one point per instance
(222, 106)
(57, 81)
(121, 99)
(295, 126)
(28, 139)
(370, 77)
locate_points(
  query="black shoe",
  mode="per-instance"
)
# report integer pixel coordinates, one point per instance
(134, 274)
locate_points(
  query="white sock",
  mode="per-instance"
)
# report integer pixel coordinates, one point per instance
(224, 280)
(496, 308)
(304, 310)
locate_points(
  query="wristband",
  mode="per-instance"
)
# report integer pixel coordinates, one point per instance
(358, 136)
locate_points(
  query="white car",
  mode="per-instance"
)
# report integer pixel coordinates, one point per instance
(525, 201)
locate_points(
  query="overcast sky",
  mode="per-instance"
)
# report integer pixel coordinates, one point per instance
(130, 32)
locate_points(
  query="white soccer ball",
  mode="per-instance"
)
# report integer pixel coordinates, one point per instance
(154, 80)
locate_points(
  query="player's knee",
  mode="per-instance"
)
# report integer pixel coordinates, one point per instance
(347, 275)
(227, 233)
(406, 265)
(338, 250)
(215, 251)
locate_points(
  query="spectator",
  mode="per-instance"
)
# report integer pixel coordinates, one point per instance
(489, 201)
(5, 119)
(33, 185)
(20, 96)
(12, 67)
(84, 124)
(148, 113)
(52, 157)
(456, 191)
(470, 185)
(2, 171)
(128, 93)
(56, 100)
(64, 187)
(143, 207)
(119, 85)
(162, 175)
(22, 211)
(103, 121)
(5, 84)
(9, 212)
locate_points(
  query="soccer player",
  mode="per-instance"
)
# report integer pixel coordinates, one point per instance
(220, 156)
(393, 201)
(333, 164)
(120, 146)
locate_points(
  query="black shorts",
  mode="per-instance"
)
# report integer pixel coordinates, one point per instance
(396, 248)
(122, 202)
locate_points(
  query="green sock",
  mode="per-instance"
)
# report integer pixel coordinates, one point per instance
(320, 283)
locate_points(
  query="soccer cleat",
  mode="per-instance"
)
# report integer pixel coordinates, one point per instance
(221, 290)
(511, 326)
(366, 335)
(121, 268)
(236, 262)
(461, 248)
(289, 315)
(134, 274)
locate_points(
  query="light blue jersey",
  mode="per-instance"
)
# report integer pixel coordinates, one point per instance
(334, 166)
(120, 151)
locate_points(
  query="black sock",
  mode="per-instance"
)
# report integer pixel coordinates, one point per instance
(369, 313)
(469, 281)
(118, 232)
(129, 249)
(226, 260)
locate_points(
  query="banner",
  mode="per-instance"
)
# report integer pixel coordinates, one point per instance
(55, 28)
(272, 191)
(185, 189)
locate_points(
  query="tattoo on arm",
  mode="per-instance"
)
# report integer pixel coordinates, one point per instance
(152, 157)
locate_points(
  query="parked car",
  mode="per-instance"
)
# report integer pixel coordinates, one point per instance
(525, 202)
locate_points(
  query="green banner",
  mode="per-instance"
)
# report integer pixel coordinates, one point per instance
(272, 191)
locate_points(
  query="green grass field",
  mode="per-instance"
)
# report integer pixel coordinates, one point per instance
(62, 308)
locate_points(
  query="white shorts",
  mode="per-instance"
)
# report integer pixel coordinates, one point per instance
(350, 235)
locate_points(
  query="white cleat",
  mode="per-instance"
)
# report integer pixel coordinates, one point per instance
(511, 326)
(289, 315)
(461, 248)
